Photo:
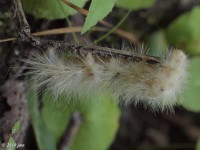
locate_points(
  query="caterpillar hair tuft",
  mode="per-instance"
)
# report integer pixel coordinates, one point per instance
(131, 77)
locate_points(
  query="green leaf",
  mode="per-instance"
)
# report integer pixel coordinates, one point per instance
(134, 4)
(55, 112)
(100, 124)
(16, 127)
(97, 11)
(11, 145)
(191, 95)
(50, 9)
(184, 32)
(44, 138)
(198, 145)
(100, 119)
(157, 43)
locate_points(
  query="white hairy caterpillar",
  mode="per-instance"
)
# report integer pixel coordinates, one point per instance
(129, 76)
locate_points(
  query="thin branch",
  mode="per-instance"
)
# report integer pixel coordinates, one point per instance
(70, 133)
(23, 28)
(64, 30)
(82, 11)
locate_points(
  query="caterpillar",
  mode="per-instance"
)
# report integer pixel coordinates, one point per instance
(131, 76)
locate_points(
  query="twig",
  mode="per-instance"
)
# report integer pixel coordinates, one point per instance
(23, 28)
(64, 30)
(82, 11)
(71, 131)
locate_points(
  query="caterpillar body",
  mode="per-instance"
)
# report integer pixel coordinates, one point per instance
(130, 76)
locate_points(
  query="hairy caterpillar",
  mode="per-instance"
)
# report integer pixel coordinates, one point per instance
(129, 76)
